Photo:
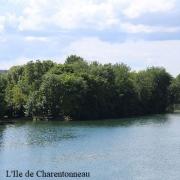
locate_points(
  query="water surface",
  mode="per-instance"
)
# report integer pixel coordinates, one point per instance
(127, 149)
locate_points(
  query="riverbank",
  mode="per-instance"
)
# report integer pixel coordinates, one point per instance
(4, 121)
(66, 119)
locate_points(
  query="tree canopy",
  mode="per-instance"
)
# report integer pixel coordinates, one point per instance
(81, 90)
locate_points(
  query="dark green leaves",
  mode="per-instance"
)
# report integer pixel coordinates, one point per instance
(81, 90)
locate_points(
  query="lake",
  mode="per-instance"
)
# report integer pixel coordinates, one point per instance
(144, 148)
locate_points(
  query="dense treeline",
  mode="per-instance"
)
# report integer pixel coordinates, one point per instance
(81, 90)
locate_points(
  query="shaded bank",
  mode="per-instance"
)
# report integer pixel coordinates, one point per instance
(78, 90)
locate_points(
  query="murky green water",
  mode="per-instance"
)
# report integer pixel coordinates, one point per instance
(127, 149)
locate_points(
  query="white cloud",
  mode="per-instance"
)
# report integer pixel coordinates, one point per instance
(140, 28)
(71, 14)
(140, 7)
(2, 23)
(67, 14)
(12, 19)
(3, 39)
(6, 64)
(137, 54)
(36, 38)
(34, 15)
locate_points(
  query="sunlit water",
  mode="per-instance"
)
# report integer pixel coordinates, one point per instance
(128, 149)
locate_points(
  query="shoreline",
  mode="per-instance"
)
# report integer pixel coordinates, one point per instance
(14, 120)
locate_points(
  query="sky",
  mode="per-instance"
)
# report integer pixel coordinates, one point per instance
(139, 33)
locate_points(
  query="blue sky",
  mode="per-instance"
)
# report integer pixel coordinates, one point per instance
(140, 33)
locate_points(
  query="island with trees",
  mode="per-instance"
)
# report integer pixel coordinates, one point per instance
(79, 90)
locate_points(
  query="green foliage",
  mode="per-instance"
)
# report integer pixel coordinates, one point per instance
(3, 84)
(175, 90)
(17, 100)
(153, 90)
(74, 59)
(81, 90)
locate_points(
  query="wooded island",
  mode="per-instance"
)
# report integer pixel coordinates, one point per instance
(79, 90)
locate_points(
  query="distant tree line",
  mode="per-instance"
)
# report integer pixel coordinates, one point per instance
(81, 90)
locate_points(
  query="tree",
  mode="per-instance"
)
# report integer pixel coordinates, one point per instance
(73, 96)
(3, 84)
(15, 101)
(74, 59)
(126, 96)
(175, 90)
(46, 101)
(81, 90)
(152, 87)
